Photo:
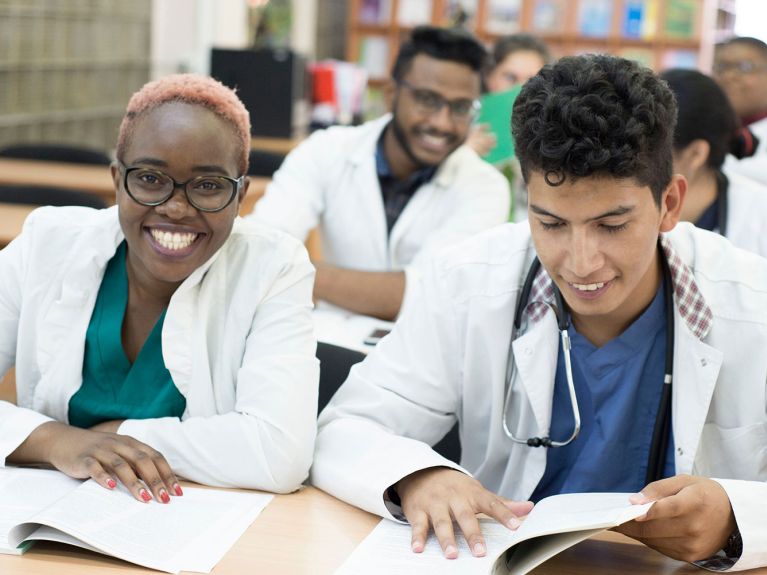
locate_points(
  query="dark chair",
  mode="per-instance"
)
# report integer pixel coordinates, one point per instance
(56, 153)
(48, 196)
(335, 364)
(263, 163)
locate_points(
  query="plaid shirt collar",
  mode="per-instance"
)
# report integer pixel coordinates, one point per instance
(690, 303)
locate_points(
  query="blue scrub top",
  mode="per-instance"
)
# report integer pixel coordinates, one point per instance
(618, 387)
(112, 387)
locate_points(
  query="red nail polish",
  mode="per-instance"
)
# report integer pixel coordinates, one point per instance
(164, 496)
(111, 483)
(144, 494)
(177, 489)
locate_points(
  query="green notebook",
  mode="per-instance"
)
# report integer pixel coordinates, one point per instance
(496, 113)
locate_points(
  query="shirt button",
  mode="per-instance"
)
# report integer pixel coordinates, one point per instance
(680, 451)
(703, 362)
(528, 351)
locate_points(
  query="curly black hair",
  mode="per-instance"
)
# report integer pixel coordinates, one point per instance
(596, 115)
(452, 44)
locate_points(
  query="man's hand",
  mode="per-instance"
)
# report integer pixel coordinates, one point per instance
(437, 496)
(690, 520)
(106, 457)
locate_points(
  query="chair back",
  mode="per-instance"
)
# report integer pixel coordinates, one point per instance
(48, 196)
(56, 153)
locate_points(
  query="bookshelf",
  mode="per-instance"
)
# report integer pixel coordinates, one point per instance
(658, 33)
(67, 68)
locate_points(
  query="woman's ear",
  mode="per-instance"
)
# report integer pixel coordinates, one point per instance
(692, 157)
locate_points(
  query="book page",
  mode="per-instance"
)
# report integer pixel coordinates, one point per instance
(25, 492)
(573, 517)
(190, 533)
(386, 551)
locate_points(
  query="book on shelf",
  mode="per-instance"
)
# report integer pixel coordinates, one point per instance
(555, 523)
(633, 18)
(679, 59)
(503, 16)
(414, 12)
(374, 56)
(595, 18)
(548, 16)
(375, 11)
(460, 13)
(681, 19)
(191, 533)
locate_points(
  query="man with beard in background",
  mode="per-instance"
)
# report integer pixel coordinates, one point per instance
(390, 193)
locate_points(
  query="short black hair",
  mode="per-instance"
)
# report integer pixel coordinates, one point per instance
(746, 40)
(704, 113)
(520, 43)
(596, 115)
(452, 44)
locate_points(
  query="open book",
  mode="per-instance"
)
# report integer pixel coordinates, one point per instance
(191, 533)
(555, 523)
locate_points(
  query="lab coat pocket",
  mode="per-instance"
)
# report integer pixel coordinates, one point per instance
(733, 453)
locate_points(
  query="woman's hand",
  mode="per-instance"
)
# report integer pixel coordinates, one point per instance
(106, 457)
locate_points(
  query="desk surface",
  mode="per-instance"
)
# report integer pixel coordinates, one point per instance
(311, 533)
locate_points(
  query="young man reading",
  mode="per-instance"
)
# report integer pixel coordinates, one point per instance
(389, 194)
(667, 332)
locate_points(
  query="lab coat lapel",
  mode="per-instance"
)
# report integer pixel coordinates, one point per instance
(536, 353)
(696, 369)
(369, 211)
(66, 322)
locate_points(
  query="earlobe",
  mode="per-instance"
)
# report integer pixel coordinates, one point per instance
(672, 201)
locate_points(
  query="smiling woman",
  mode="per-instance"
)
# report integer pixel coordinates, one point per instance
(163, 337)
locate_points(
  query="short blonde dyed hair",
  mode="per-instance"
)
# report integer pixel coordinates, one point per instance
(192, 89)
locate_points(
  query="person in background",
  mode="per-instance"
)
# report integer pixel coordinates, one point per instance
(163, 337)
(657, 329)
(740, 67)
(515, 59)
(389, 194)
(718, 199)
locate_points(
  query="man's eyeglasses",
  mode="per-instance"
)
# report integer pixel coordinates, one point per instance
(150, 187)
(742, 67)
(429, 102)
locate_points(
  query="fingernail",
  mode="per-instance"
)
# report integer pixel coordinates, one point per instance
(164, 496)
(451, 552)
(514, 523)
(417, 547)
(479, 549)
(144, 494)
(111, 483)
(177, 489)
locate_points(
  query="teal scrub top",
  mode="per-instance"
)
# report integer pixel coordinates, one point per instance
(112, 387)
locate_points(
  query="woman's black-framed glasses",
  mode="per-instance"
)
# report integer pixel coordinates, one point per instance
(150, 187)
(430, 102)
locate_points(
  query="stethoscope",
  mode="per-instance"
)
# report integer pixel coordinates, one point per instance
(657, 458)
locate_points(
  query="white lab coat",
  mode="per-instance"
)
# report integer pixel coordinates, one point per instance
(747, 212)
(237, 339)
(754, 167)
(330, 181)
(446, 360)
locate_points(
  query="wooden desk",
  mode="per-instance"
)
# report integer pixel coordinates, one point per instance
(93, 179)
(277, 145)
(311, 533)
